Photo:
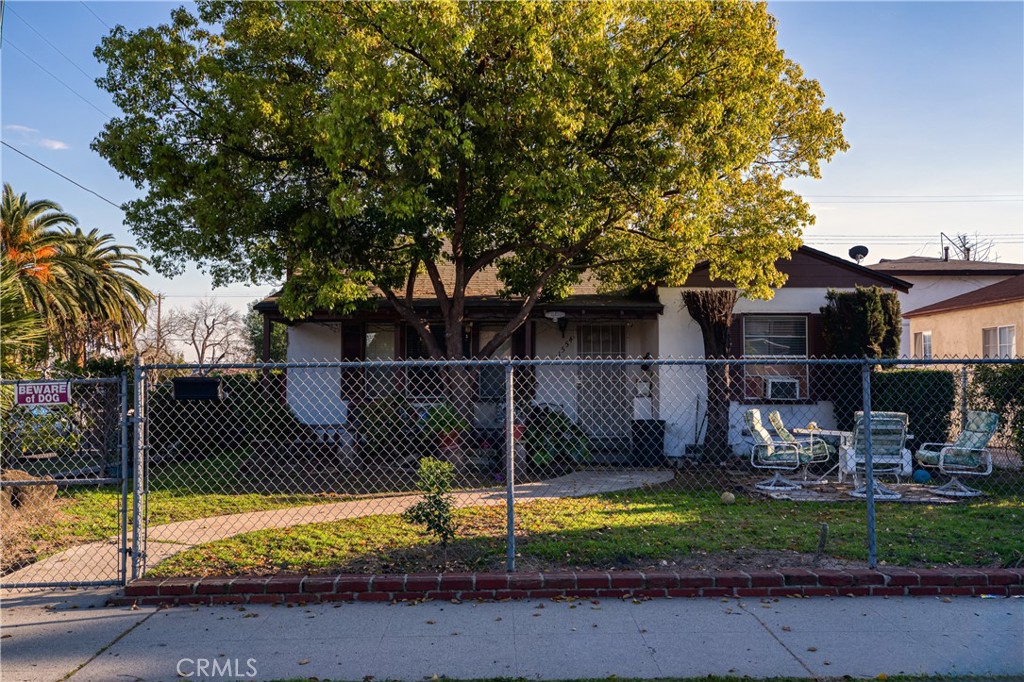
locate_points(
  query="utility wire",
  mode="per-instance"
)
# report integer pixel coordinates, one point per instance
(94, 14)
(54, 77)
(47, 41)
(56, 172)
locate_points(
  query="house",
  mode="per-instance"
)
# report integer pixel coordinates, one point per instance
(983, 323)
(939, 279)
(607, 403)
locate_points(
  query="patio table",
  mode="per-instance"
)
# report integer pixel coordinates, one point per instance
(842, 441)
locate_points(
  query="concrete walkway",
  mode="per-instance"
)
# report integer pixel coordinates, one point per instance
(48, 636)
(99, 560)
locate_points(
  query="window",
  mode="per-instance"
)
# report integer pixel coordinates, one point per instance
(491, 381)
(380, 345)
(775, 336)
(425, 383)
(923, 345)
(998, 342)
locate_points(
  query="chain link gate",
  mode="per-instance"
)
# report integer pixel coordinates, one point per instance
(64, 482)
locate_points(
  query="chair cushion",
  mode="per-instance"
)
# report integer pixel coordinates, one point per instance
(776, 420)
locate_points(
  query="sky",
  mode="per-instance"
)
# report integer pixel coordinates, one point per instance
(932, 92)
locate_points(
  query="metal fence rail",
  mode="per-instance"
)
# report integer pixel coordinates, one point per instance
(398, 466)
(570, 462)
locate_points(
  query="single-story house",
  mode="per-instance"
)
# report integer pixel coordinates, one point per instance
(978, 324)
(940, 279)
(589, 324)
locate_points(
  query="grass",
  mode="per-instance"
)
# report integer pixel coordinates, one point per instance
(629, 529)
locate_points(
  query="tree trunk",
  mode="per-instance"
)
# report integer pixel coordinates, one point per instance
(712, 310)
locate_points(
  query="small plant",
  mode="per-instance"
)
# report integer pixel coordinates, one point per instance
(445, 419)
(435, 510)
(553, 438)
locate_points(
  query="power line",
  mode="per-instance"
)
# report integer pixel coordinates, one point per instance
(47, 41)
(56, 172)
(98, 18)
(54, 77)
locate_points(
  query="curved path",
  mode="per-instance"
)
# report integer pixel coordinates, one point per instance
(99, 560)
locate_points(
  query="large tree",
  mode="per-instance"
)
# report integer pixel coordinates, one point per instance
(355, 147)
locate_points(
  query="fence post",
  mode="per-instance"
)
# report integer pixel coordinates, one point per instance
(510, 470)
(123, 577)
(869, 469)
(963, 396)
(137, 469)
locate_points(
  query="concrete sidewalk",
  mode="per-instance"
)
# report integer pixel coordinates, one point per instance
(46, 636)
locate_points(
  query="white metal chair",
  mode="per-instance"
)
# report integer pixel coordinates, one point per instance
(780, 455)
(889, 454)
(968, 455)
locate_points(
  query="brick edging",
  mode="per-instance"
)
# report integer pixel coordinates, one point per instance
(803, 582)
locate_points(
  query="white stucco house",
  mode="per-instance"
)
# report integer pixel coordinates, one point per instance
(606, 404)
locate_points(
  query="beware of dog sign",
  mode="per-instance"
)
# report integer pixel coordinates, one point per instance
(43, 393)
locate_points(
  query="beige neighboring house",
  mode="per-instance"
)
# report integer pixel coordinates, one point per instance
(984, 323)
(937, 280)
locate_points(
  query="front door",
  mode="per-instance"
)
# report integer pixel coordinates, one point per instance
(604, 397)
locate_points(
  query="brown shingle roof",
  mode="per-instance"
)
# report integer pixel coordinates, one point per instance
(1007, 291)
(922, 265)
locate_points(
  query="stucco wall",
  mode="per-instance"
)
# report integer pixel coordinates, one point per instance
(928, 290)
(958, 333)
(314, 395)
(681, 389)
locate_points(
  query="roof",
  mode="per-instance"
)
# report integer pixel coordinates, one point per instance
(810, 267)
(922, 265)
(1007, 291)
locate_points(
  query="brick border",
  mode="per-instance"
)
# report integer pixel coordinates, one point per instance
(803, 582)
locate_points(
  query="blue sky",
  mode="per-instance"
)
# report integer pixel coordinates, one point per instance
(933, 95)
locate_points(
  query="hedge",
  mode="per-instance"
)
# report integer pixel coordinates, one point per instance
(928, 396)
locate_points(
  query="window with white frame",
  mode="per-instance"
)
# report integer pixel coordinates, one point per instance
(775, 336)
(998, 342)
(923, 345)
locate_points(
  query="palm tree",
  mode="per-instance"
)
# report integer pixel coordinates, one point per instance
(21, 329)
(113, 301)
(34, 246)
(81, 283)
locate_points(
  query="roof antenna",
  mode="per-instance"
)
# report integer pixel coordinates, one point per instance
(859, 253)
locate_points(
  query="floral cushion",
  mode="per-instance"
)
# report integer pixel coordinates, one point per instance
(769, 450)
(966, 451)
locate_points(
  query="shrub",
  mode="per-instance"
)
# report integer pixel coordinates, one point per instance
(928, 396)
(435, 511)
(1000, 388)
(384, 426)
(552, 438)
(445, 419)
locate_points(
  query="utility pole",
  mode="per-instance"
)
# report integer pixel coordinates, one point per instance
(159, 317)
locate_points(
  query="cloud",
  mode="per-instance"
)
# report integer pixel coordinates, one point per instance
(55, 145)
(20, 129)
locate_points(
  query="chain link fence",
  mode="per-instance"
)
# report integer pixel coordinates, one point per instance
(63, 492)
(378, 467)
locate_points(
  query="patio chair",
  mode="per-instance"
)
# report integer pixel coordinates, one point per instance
(968, 455)
(780, 455)
(889, 454)
(820, 450)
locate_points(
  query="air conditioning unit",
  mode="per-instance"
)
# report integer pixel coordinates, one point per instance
(777, 388)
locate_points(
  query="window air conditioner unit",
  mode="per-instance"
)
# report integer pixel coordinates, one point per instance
(782, 389)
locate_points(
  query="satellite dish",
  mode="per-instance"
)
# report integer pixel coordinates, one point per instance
(859, 253)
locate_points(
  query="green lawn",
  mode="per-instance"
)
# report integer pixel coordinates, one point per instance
(633, 528)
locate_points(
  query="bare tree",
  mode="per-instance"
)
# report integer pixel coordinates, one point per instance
(213, 331)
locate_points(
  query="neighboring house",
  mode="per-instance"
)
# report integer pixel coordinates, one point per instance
(591, 325)
(983, 323)
(939, 279)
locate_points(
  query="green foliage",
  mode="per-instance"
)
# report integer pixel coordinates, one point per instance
(254, 335)
(384, 425)
(1000, 388)
(21, 330)
(552, 437)
(444, 418)
(436, 509)
(356, 146)
(928, 396)
(862, 323)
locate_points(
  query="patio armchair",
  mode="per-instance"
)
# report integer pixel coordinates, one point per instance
(820, 450)
(968, 455)
(889, 454)
(781, 455)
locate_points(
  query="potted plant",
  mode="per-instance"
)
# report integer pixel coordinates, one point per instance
(447, 424)
(554, 442)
